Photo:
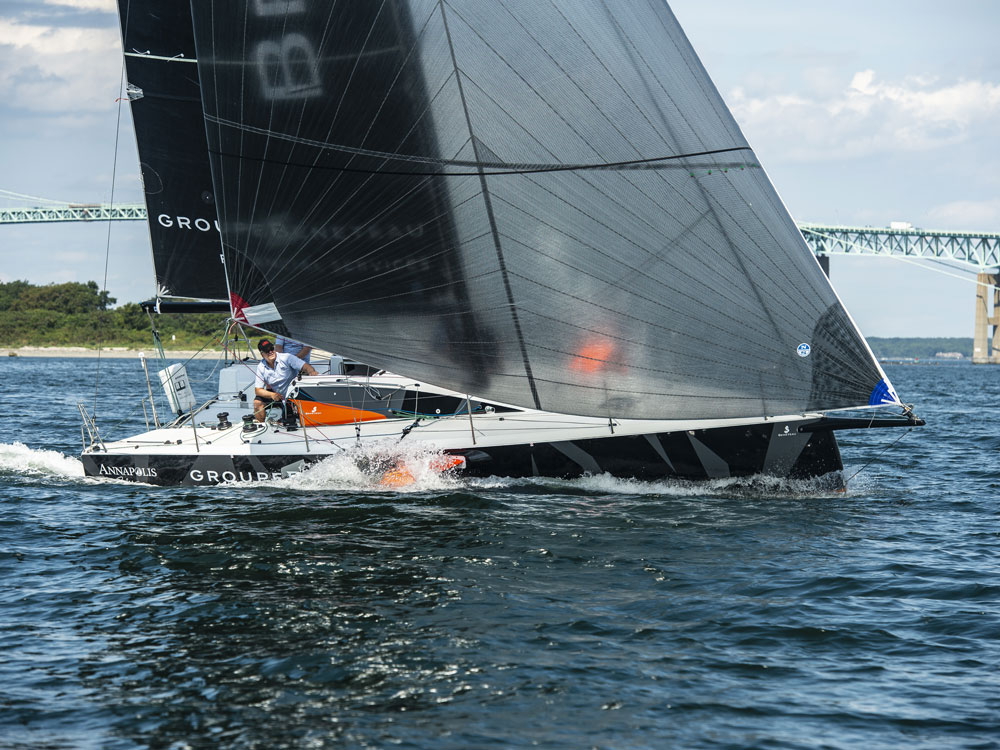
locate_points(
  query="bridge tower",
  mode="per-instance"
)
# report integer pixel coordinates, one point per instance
(986, 349)
(978, 251)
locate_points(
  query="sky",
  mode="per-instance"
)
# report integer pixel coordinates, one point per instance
(862, 112)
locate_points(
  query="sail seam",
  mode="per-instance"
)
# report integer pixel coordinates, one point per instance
(492, 218)
(501, 167)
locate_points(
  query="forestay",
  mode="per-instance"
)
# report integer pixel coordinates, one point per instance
(539, 202)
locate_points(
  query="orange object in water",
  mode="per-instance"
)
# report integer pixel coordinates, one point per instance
(397, 476)
(315, 413)
(400, 475)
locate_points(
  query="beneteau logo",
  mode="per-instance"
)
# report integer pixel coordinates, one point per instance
(127, 471)
(184, 222)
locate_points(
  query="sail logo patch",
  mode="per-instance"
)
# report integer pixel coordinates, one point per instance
(184, 222)
(803, 349)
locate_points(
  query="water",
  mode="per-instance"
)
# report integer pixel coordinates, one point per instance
(319, 612)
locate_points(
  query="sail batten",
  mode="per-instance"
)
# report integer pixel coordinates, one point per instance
(544, 204)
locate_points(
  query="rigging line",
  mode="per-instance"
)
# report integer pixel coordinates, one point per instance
(302, 111)
(102, 314)
(332, 251)
(384, 210)
(916, 261)
(623, 207)
(880, 454)
(652, 256)
(319, 201)
(219, 189)
(712, 204)
(563, 73)
(638, 54)
(570, 125)
(723, 115)
(692, 296)
(491, 216)
(497, 167)
(947, 263)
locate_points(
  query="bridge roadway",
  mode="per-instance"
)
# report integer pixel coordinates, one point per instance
(978, 250)
(74, 212)
(981, 250)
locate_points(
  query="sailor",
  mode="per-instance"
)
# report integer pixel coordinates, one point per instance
(283, 345)
(275, 373)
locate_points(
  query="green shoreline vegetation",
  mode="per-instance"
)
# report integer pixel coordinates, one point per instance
(76, 314)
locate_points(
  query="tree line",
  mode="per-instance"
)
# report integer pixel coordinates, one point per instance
(80, 314)
(919, 348)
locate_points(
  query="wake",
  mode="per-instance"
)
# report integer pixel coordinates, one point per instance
(18, 459)
(370, 469)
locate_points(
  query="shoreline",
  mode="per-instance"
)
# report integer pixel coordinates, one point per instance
(111, 352)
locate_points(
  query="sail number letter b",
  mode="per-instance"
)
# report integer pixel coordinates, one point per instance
(288, 68)
(274, 7)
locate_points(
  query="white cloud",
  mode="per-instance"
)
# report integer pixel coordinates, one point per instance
(982, 215)
(869, 116)
(105, 5)
(52, 69)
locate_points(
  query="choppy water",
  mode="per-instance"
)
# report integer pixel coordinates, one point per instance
(317, 612)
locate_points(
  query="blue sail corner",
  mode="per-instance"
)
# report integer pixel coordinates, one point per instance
(884, 393)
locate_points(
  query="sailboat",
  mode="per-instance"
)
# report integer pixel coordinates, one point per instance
(537, 225)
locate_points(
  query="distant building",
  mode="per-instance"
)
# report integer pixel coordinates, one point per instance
(949, 355)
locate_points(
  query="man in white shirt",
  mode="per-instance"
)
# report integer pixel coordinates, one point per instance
(275, 373)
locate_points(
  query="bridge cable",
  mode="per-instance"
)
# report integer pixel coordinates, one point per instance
(12, 194)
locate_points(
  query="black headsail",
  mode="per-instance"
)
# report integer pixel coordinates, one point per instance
(169, 132)
(545, 203)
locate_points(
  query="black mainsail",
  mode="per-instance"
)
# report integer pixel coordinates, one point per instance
(544, 203)
(166, 109)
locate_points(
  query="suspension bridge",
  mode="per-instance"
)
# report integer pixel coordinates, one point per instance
(975, 251)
